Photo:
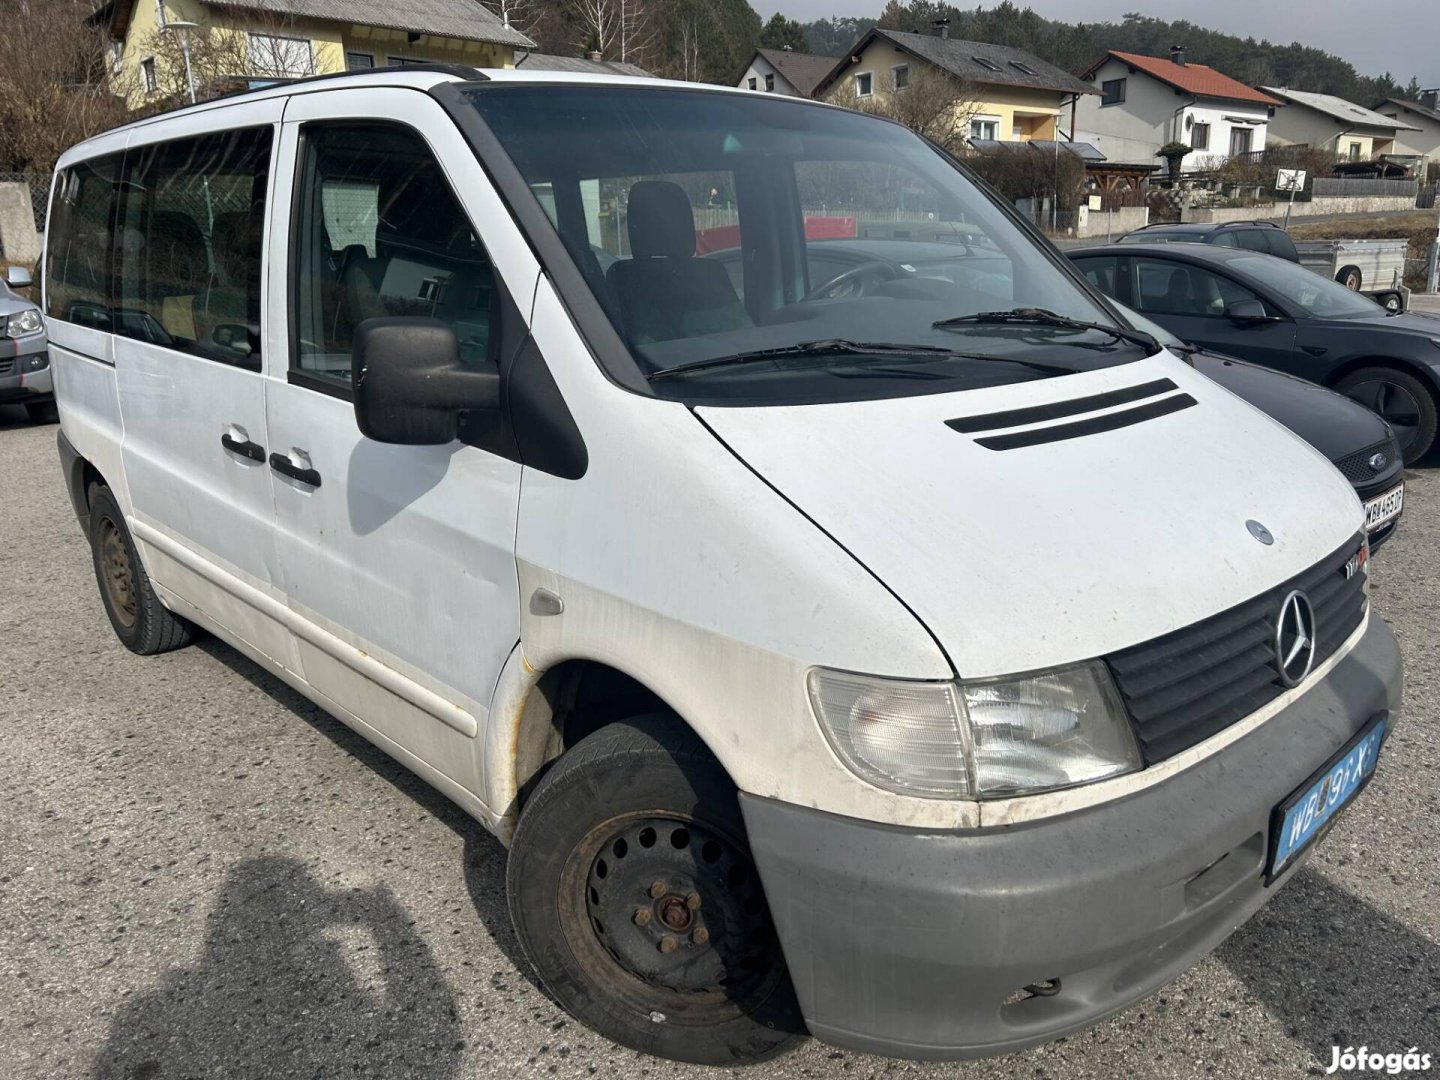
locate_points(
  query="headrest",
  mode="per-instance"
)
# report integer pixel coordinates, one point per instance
(661, 224)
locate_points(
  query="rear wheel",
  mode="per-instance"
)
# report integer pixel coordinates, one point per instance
(1405, 402)
(635, 899)
(1350, 277)
(141, 622)
(43, 412)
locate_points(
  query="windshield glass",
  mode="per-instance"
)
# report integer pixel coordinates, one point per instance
(1319, 296)
(1154, 329)
(715, 226)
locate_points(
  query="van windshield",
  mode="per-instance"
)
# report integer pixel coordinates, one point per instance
(731, 239)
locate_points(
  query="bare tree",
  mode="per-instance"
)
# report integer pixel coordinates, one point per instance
(521, 15)
(596, 23)
(639, 33)
(222, 57)
(932, 103)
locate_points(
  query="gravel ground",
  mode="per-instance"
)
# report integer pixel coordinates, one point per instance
(203, 875)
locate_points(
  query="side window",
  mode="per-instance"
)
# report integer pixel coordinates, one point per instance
(189, 249)
(1172, 288)
(1253, 240)
(1103, 273)
(1281, 245)
(1226, 239)
(379, 232)
(77, 256)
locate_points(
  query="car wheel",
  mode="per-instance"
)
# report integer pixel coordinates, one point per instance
(636, 901)
(1406, 403)
(43, 412)
(141, 622)
(1350, 277)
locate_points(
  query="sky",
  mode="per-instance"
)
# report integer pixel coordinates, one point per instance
(1399, 36)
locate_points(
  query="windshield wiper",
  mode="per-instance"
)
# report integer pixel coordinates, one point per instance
(845, 347)
(1032, 316)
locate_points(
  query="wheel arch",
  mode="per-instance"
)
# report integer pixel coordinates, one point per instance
(1396, 363)
(80, 473)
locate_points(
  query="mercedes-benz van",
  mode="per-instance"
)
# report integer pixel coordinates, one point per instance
(907, 653)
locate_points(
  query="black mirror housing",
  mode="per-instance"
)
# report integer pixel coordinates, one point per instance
(1247, 311)
(410, 387)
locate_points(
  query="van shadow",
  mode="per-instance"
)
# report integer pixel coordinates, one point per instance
(1335, 971)
(325, 981)
(484, 856)
(15, 416)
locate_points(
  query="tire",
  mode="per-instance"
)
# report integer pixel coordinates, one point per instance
(635, 900)
(1350, 277)
(141, 622)
(1404, 400)
(43, 412)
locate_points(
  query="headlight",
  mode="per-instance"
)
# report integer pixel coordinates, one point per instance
(26, 322)
(989, 739)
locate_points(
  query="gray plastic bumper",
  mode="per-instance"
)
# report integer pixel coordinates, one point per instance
(918, 944)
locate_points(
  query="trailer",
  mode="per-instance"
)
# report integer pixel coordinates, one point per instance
(1369, 265)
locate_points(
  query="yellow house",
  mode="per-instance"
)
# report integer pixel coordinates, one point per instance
(241, 41)
(1008, 94)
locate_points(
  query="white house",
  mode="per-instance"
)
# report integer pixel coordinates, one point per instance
(1145, 102)
(1327, 122)
(1423, 139)
(781, 71)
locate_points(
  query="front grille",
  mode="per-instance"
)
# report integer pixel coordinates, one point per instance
(7, 365)
(1356, 468)
(1182, 688)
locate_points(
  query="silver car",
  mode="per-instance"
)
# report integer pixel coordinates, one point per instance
(24, 352)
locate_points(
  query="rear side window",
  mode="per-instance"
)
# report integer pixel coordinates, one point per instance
(1252, 240)
(189, 245)
(379, 232)
(1226, 239)
(1281, 245)
(77, 258)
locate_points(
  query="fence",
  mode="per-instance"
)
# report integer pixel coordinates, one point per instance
(1362, 187)
(1426, 199)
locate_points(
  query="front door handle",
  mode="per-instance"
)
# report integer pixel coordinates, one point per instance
(282, 464)
(244, 447)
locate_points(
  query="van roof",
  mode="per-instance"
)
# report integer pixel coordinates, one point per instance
(417, 76)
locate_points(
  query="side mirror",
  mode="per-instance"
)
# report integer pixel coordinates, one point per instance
(1246, 311)
(410, 387)
(17, 277)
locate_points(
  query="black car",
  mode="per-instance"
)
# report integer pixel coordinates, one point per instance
(1279, 315)
(1262, 236)
(1359, 443)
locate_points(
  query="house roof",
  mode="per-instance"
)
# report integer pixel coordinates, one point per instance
(579, 64)
(1339, 108)
(468, 20)
(1197, 79)
(1415, 107)
(803, 71)
(973, 61)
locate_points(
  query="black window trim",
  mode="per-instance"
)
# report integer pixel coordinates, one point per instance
(112, 222)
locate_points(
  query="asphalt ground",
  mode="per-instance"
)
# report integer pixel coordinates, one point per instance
(202, 875)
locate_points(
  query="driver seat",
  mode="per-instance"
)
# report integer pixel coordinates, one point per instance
(663, 291)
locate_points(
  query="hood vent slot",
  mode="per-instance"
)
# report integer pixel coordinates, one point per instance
(1093, 426)
(1038, 414)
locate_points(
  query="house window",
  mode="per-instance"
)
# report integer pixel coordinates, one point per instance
(986, 62)
(1200, 137)
(147, 73)
(1240, 141)
(1354, 151)
(900, 74)
(281, 57)
(984, 129)
(359, 61)
(1024, 69)
(116, 49)
(769, 83)
(864, 84)
(754, 82)
(406, 61)
(1112, 92)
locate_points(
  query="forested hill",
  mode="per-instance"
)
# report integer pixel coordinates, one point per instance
(1075, 47)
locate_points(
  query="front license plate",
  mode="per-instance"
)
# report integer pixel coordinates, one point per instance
(1304, 816)
(1384, 508)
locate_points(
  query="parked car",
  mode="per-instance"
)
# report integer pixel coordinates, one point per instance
(1262, 236)
(937, 670)
(1279, 315)
(25, 355)
(1355, 440)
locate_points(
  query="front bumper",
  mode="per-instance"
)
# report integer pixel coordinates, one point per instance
(917, 944)
(18, 386)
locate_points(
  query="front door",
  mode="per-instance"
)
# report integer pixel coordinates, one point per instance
(398, 561)
(189, 265)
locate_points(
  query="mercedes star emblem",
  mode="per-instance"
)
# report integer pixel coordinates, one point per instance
(1295, 638)
(1259, 532)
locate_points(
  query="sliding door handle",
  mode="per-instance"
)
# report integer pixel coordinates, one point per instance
(244, 447)
(282, 464)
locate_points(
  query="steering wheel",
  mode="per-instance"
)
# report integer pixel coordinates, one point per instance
(855, 274)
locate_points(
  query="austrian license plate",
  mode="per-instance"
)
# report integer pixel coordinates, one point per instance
(1302, 818)
(1384, 508)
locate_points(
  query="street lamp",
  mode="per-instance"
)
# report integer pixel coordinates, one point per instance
(182, 31)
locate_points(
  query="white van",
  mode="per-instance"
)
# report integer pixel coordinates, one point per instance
(897, 650)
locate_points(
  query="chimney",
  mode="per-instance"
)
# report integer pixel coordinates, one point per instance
(942, 28)
(595, 55)
(1430, 98)
(1177, 54)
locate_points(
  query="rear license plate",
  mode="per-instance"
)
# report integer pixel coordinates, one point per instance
(1302, 818)
(1384, 508)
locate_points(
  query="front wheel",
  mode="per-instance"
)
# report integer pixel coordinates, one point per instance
(636, 901)
(1406, 403)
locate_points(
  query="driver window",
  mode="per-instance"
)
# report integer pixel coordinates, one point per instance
(1172, 288)
(379, 233)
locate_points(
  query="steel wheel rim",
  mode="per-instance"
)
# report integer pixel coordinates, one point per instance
(621, 897)
(116, 573)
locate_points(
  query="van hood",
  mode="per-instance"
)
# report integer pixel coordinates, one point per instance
(1018, 557)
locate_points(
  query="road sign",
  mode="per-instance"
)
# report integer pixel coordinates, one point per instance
(1290, 180)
